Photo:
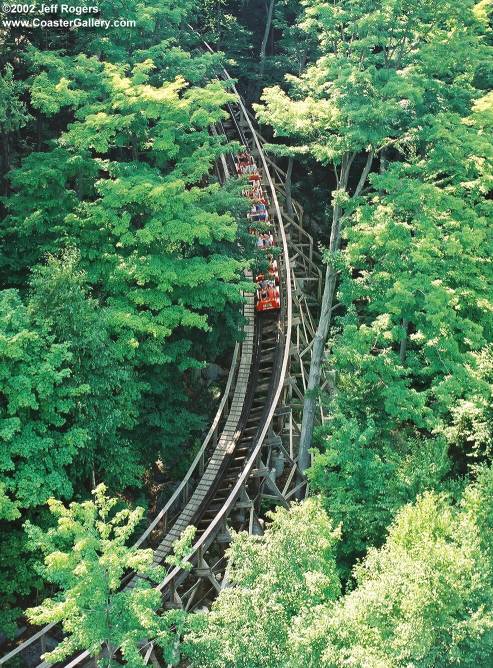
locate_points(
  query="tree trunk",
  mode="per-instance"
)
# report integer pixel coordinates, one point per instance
(302, 62)
(287, 187)
(310, 400)
(135, 148)
(263, 48)
(403, 346)
(154, 660)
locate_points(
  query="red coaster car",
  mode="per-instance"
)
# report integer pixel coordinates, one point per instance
(255, 177)
(268, 299)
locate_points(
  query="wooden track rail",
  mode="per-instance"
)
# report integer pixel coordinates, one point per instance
(248, 459)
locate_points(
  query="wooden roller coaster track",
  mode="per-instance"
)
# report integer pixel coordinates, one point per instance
(248, 460)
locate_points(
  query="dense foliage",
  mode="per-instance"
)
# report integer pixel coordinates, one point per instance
(395, 107)
(412, 346)
(423, 599)
(86, 556)
(121, 269)
(273, 578)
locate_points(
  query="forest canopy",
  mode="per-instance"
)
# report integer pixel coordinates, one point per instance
(119, 254)
(122, 275)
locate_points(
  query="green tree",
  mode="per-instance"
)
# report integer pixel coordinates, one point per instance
(13, 115)
(38, 431)
(39, 437)
(410, 357)
(86, 556)
(123, 246)
(384, 72)
(158, 244)
(470, 434)
(270, 580)
(59, 301)
(424, 599)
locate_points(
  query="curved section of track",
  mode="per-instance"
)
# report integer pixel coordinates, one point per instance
(273, 356)
(224, 484)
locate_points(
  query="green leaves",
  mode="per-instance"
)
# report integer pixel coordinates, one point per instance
(13, 112)
(125, 250)
(415, 270)
(86, 556)
(423, 599)
(380, 70)
(39, 401)
(273, 578)
(107, 409)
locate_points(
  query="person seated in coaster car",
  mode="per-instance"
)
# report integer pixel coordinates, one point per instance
(267, 298)
(243, 163)
(255, 193)
(258, 213)
(261, 209)
(272, 269)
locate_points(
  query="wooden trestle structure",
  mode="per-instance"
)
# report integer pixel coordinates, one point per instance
(249, 456)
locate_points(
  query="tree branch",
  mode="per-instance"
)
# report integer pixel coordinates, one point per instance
(364, 173)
